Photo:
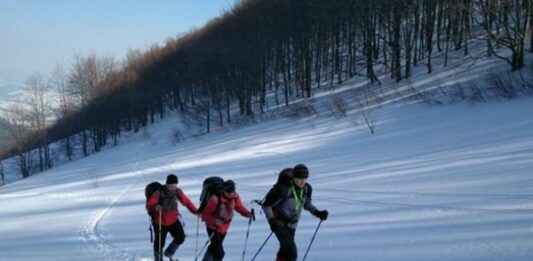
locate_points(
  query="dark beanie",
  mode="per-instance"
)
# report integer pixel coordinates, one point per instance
(172, 179)
(300, 171)
(229, 186)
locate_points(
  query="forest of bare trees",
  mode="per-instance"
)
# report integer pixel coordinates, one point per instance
(288, 48)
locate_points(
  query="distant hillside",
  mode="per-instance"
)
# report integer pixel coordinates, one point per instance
(6, 88)
(9, 93)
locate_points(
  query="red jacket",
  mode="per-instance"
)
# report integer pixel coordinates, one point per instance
(168, 202)
(218, 215)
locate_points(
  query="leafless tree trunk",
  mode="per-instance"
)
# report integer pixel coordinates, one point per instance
(530, 26)
(430, 14)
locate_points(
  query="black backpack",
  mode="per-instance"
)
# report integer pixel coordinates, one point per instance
(151, 189)
(211, 186)
(284, 179)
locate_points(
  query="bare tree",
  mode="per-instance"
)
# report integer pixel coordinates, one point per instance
(59, 82)
(19, 120)
(87, 76)
(38, 98)
(89, 79)
(513, 19)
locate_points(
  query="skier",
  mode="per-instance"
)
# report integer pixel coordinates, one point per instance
(283, 206)
(164, 205)
(217, 214)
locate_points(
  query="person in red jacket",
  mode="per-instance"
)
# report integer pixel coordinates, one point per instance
(163, 204)
(217, 214)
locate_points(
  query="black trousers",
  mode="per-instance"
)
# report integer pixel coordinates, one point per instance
(287, 247)
(176, 230)
(215, 247)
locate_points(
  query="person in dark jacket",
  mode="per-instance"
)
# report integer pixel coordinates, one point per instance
(217, 215)
(283, 206)
(165, 208)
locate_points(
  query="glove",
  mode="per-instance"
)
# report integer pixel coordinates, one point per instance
(322, 214)
(158, 208)
(275, 224)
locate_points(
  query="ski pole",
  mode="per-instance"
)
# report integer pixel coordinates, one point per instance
(151, 231)
(160, 254)
(261, 248)
(197, 232)
(198, 254)
(151, 234)
(252, 217)
(312, 239)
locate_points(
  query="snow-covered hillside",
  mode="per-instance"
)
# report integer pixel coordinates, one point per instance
(447, 182)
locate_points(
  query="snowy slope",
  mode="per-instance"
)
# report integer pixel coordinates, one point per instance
(434, 183)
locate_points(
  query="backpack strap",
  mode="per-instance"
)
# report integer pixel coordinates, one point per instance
(165, 196)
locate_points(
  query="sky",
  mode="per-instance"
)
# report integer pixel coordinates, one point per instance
(35, 35)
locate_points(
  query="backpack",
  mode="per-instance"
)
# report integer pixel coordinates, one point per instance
(151, 189)
(224, 210)
(211, 186)
(284, 179)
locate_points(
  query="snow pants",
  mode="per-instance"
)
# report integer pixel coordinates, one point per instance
(287, 247)
(215, 249)
(176, 230)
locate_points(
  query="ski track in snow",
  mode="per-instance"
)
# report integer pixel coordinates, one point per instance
(93, 237)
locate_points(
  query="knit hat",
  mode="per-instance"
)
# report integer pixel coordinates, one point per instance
(300, 171)
(229, 186)
(172, 179)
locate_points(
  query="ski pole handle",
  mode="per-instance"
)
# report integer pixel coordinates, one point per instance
(252, 216)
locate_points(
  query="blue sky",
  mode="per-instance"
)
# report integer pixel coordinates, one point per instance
(37, 34)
